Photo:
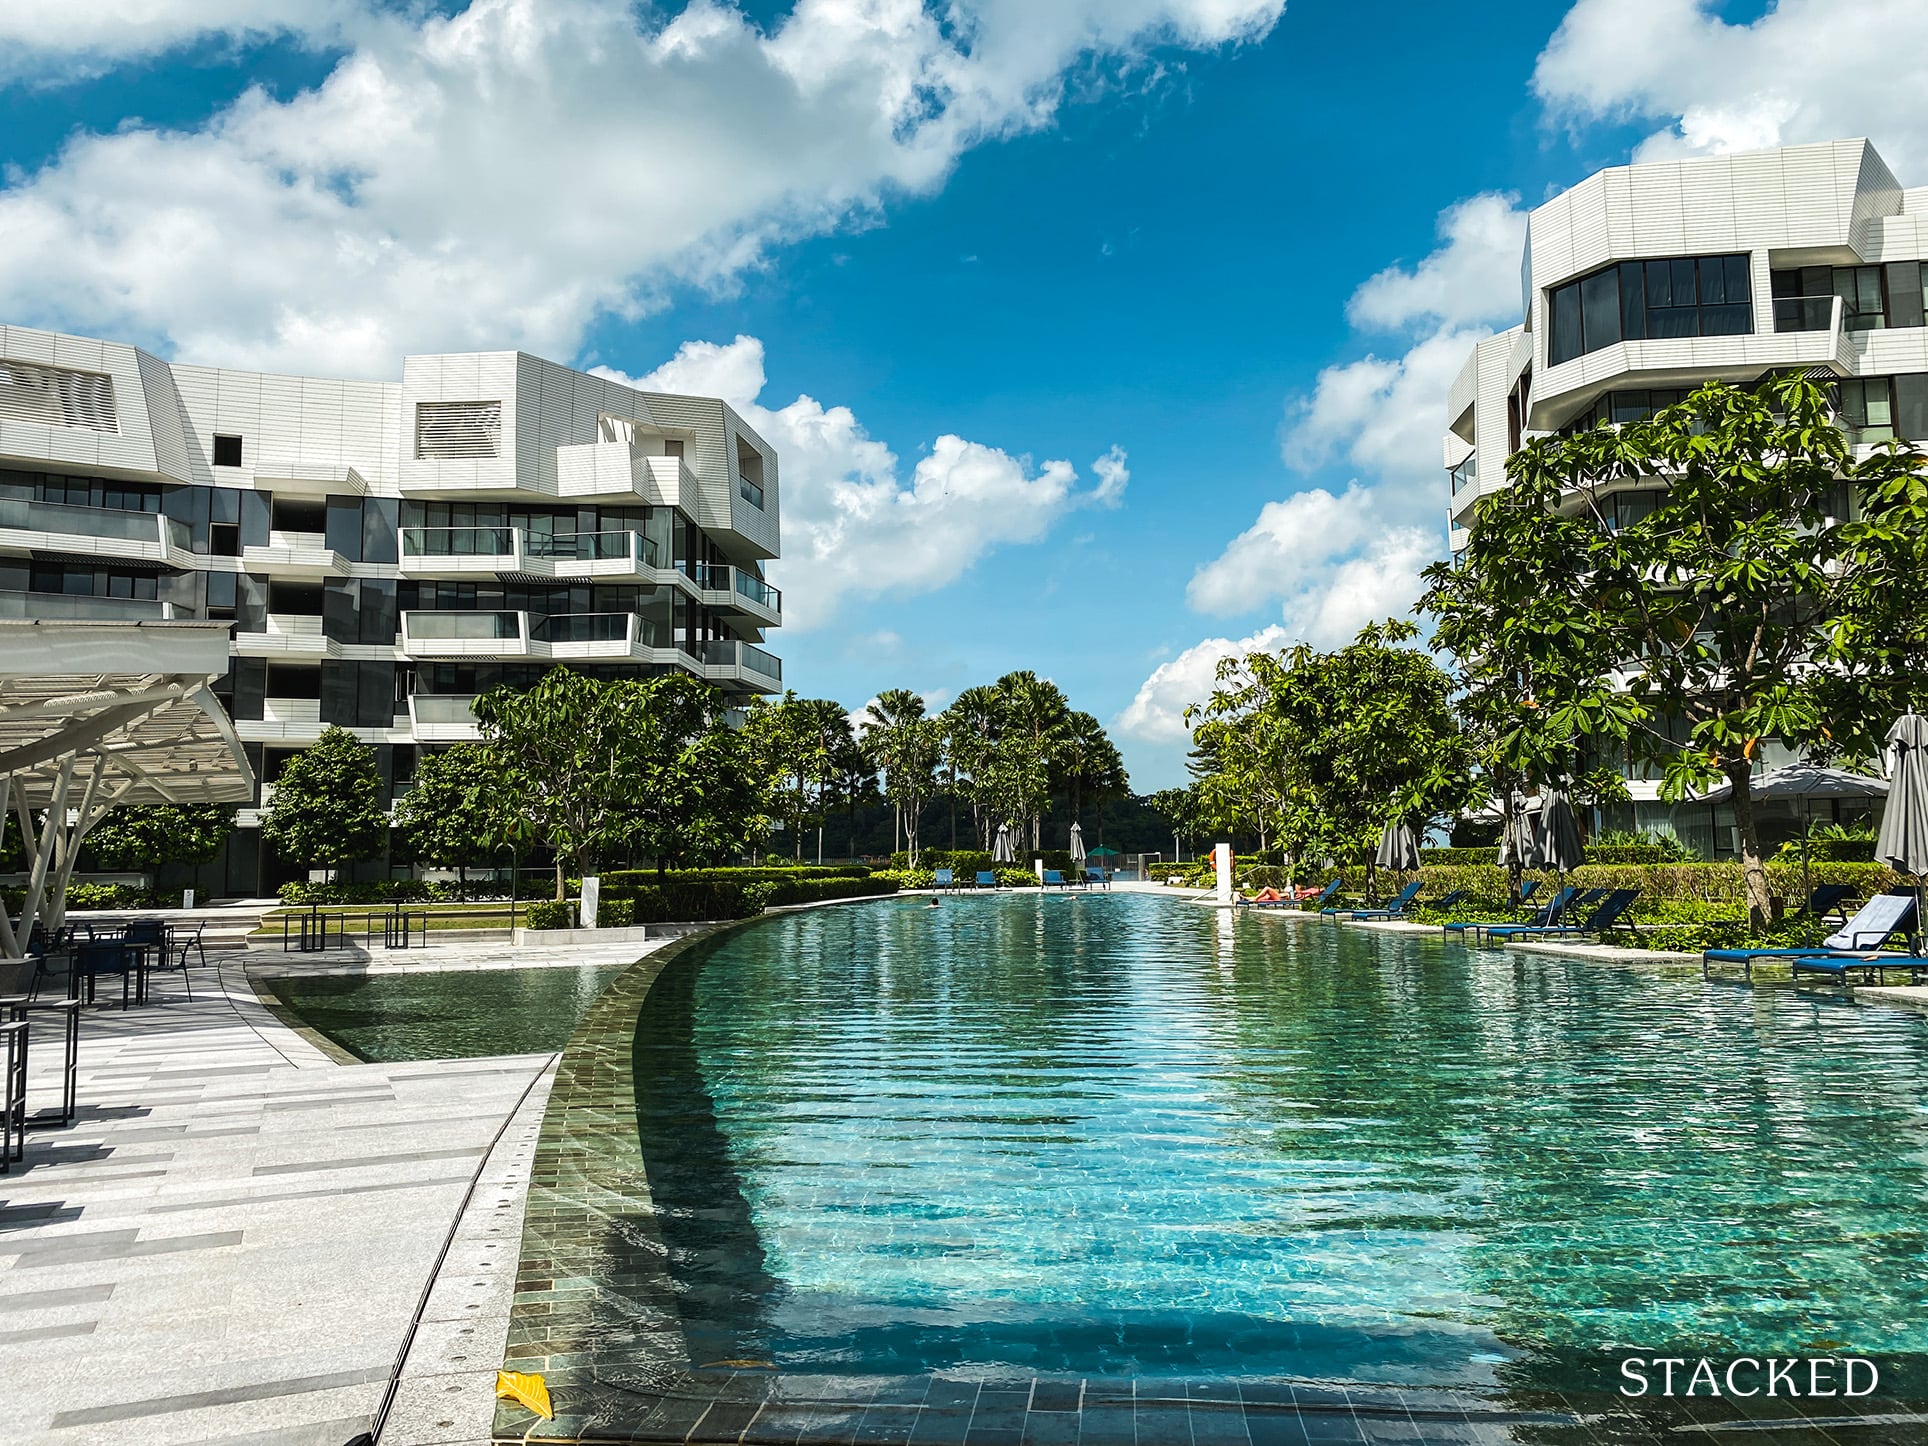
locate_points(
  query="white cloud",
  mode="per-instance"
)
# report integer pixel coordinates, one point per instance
(852, 527)
(53, 40)
(1464, 281)
(1156, 714)
(503, 176)
(1807, 70)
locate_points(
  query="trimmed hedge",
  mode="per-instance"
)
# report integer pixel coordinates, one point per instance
(99, 896)
(550, 914)
(1595, 854)
(1659, 884)
(378, 891)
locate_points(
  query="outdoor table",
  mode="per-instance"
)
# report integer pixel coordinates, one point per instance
(20, 1007)
(132, 968)
(13, 1099)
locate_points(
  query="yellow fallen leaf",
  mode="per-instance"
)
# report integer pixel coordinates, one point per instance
(526, 1387)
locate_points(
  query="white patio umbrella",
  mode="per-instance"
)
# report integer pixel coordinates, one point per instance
(1903, 841)
(1001, 848)
(1077, 847)
(1804, 781)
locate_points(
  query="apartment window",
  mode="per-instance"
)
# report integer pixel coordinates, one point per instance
(458, 429)
(224, 539)
(1650, 300)
(1622, 407)
(294, 680)
(672, 446)
(1866, 409)
(299, 514)
(56, 397)
(227, 451)
(295, 599)
(1804, 297)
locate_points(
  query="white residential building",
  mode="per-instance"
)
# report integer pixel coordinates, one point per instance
(1643, 282)
(386, 549)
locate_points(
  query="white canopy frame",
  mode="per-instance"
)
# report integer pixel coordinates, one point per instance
(96, 714)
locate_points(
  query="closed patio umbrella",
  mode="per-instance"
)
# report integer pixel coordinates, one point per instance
(1001, 848)
(1398, 849)
(1077, 847)
(1559, 833)
(1903, 841)
(1520, 839)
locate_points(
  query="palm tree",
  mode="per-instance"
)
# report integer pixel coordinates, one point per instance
(1038, 718)
(901, 742)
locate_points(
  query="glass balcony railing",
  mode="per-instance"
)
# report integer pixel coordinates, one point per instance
(460, 625)
(1465, 474)
(731, 653)
(758, 591)
(599, 628)
(457, 541)
(100, 522)
(505, 542)
(1803, 313)
(443, 708)
(77, 605)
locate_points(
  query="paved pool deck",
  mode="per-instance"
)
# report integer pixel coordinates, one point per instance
(236, 1238)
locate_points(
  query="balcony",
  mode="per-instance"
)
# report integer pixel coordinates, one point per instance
(295, 555)
(466, 634)
(731, 589)
(729, 660)
(458, 552)
(287, 635)
(74, 605)
(106, 532)
(592, 637)
(1465, 475)
(443, 718)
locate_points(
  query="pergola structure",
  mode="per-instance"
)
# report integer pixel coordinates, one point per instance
(94, 714)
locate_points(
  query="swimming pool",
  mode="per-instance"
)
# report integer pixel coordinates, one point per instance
(1108, 1138)
(444, 1013)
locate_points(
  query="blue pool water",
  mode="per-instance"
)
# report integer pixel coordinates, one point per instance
(1118, 1135)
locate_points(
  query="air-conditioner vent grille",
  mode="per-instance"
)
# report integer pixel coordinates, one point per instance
(458, 429)
(56, 397)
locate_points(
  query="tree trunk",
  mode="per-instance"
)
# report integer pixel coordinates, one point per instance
(462, 882)
(1753, 868)
(560, 891)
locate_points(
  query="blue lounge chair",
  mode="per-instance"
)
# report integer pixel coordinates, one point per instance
(1550, 914)
(1098, 877)
(1852, 946)
(1054, 879)
(1391, 911)
(1449, 900)
(1826, 899)
(986, 879)
(943, 879)
(1606, 914)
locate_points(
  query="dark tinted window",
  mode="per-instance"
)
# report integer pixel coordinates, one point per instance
(1677, 297)
(227, 451)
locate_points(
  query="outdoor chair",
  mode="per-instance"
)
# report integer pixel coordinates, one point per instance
(986, 879)
(1449, 900)
(943, 879)
(1054, 879)
(1550, 914)
(1852, 946)
(1607, 913)
(184, 941)
(95, 957)
(1391, 911)
(1098, 877)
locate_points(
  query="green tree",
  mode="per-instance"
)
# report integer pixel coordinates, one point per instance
(684, 776)
(904, 746)
(1179, 808)
(1738, 609)
(327, 807)
(796, 744)
(1033, 722)
(143, 836)
(454, 815)
(558, 745)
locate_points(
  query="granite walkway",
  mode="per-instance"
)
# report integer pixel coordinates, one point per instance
(233, 1242)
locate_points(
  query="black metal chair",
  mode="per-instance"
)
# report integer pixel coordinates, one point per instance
(95, 957)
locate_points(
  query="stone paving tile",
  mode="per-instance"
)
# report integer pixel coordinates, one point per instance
(229, 1266)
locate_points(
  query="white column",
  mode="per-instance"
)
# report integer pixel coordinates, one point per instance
(1222, 862)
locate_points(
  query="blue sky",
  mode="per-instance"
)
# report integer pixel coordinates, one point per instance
(1079, 240)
